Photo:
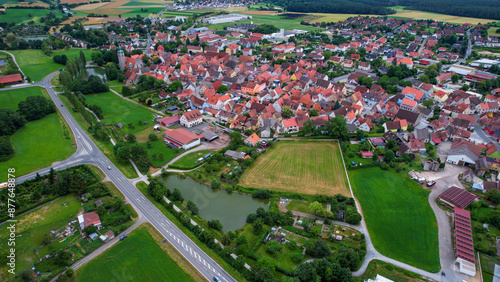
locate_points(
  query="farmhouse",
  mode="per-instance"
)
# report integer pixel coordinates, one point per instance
(252, 140)
(181, 138)
(169, 121)
(90, 218)
(456, 197)
(464, 245)
(191, 118)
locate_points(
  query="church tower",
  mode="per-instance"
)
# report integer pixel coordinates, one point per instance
(121, 59)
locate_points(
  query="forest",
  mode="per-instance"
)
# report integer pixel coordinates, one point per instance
(488, 9)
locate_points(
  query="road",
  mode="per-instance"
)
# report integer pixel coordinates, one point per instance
(486, 137)
(89, 153)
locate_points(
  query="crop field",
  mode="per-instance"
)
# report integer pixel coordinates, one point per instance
(272, 20)
(92, 6)
(413, 14)
(137, 258)
(23, 15)
(116, 109)
(399, 218)
(299, 167)
(73, 1)
(11, 98)
(31, 227)
(38, 144)
(36, 65)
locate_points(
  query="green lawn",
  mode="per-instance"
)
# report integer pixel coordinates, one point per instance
(137, 11)
(488, 266)
(23, 15)
(31, 227)
(38, 144)
(36, 65)
(389, 271)
(400, 221)
(159, 147)
(137, 258)
(11, 98)
(188, 161)
(298, 206)
(116, 109)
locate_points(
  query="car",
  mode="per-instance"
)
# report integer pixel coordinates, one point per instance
(109, 167)
(431, 183)
(217, 279)
(62, 105)
(78, 137)
(123, 237)
(60, 69)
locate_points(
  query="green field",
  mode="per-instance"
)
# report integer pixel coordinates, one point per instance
(298, 206)
(116, 109)
(37, 145)
(36, 65)
(137, 258)
(400, 221)
(137, 11)
(272, 20)
(188, 161)
(31, 227)
(11, 98)
(299, 167)
(23, 15)
(140, 4)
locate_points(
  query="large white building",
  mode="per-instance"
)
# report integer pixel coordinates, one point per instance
(226, 18)
(191, 118)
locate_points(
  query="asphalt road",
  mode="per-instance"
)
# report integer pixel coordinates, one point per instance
(486, 137)
(89, 153)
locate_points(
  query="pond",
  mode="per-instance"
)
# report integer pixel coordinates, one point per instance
(100, 72)
(3, 62)
(230, 208)
(35, 37)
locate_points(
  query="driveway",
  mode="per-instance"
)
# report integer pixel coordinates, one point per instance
(442, 150)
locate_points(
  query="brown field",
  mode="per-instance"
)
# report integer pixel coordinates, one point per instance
(299, 167)
(28, 4)
(90, 6)
(91, 20)
(110, 8)
(73, 1)
(265, 13)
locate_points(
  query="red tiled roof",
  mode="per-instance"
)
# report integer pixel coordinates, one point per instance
(181, 135)
(10, 78)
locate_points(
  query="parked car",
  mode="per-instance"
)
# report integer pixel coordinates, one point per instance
(431, 183)
(123, 237)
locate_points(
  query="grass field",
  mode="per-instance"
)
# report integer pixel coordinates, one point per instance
(492, 31)
(116, 109)
(37, 145)
(31, 227)
(400, 221)
(188, 161)
(298, 206)
(413, 14)
(36, 65)
(488, 266)
(389, 271)
(137, 258)
(23, 15)
(299, 167)
(11, 98)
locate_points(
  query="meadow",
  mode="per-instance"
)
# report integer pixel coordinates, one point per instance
(269, 19)
(32, 226)
(399, 218)
(23, 15)
(36, 65)
(299, 167)
(11, 98)
(137, 258)
(189, 160)
(39, 144)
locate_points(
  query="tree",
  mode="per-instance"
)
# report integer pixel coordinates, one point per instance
(177, 196)
(388, 156)
(192, 207)
(455, 78)
(153, 137)
(273, 247)
(222, 89)
(225, 240)
(353, 217)
(321, 249)
(258, 224)
(313, 113)
(428, 103)
(337, 128)
(265, 269)
(492, 195)
(36, 107)
(215, 224)
(131, 137)
(305, 272)
(287, 112)
(327, 55)
(309, 128)
(172, 87)
(215, 184)
(236, 138)
(90, 229)
(390, 143)
(126, 91)
(360, 134)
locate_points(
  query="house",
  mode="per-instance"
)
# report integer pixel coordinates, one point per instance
(364, 66)
(366, 154)
(413, 94)
(10, 79)
(409, 105)
(290, 125)
(462, 156)
(90, 218)
(416, 145)
(181, 138)
(235, 155)
(252, 140)
(191, 118)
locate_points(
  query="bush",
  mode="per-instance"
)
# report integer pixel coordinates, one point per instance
(353, 217)
(153, 137)
(261, 194)
(273, 247)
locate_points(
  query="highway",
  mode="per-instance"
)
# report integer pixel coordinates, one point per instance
(89, 153)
